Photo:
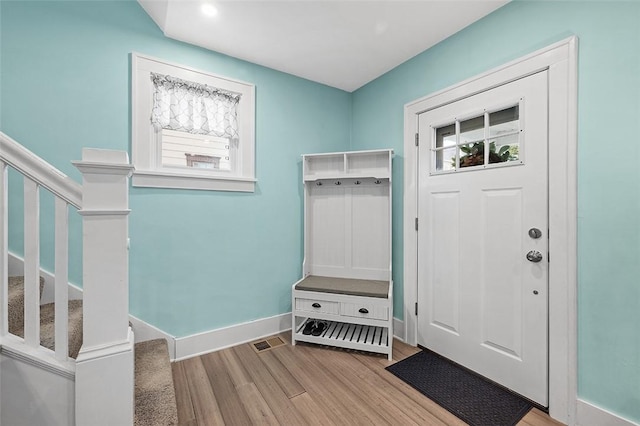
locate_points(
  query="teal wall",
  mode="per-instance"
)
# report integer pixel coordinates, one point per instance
(204, 260)
(608, 172)
(199, 260)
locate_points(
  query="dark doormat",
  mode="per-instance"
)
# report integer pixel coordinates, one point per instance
(469, 396)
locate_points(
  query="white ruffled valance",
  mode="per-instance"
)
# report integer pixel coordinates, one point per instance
(192, 107)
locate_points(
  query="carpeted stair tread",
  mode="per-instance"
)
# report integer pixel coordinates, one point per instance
(16, 302)
(47, 316)
(155, 398)
(47, 327)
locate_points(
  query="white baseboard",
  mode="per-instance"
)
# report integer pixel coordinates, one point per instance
(214, 340)
(398, 329)
(144, 331)
(221, 338)
(592, 415)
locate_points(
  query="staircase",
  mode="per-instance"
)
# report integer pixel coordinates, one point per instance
(155, 400)
(72, 361)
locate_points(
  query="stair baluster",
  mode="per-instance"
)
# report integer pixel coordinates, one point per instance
(61, 292)
(4, 250)
(31, 263)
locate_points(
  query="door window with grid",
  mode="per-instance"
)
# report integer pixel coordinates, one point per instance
(492, 138)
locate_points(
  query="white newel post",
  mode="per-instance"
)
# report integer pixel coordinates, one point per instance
(104, 368)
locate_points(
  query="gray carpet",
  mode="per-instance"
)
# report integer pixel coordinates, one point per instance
(16, 302)
(155, 394)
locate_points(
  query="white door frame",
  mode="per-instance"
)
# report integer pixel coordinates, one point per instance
(560, 59)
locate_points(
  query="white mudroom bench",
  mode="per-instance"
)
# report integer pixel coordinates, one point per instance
(345, 297)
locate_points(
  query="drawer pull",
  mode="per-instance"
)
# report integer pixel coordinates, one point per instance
(316, 305)
(363, 310)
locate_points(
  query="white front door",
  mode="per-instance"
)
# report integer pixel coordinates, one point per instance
(483, 235)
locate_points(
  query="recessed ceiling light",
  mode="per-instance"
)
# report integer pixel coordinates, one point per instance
(209, 9)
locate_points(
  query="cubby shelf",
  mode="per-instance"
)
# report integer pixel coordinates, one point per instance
(355, 164)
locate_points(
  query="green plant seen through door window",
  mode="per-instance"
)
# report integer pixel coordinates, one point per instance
(474, 154)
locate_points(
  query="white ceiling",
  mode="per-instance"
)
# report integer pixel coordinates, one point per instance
(340, 43)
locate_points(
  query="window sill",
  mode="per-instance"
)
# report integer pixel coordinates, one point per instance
(158, 179)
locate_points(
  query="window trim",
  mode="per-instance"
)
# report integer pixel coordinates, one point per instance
(143, 140)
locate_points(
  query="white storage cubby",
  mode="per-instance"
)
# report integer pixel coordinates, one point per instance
(347, 261)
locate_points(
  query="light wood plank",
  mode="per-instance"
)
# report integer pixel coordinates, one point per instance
(392, 403)
(402, 350)
(238, 374)
(343, 365)
(257, 408)
(271, 391)
(285, 379)
(186, 415)
(205, 406)
(356, 410)
(61, 291)
(315, 381)
(535, 417)
(313, 413)
(31, 263)
(231, 406)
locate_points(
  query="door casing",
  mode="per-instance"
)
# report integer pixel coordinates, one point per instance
(560, 59)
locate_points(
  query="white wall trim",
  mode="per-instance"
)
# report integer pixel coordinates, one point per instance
(144, 331)
(591, 415)
(221, 338)
(156, 179)
(560, 59)
(398, 329)
(13, 347)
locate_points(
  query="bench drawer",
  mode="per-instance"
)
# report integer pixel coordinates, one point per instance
(320, 306)
(364, 310)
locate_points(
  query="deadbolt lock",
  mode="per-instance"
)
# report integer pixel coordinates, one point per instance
(535, 233)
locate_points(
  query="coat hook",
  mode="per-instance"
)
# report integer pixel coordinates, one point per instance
(338, 182)
(357, 182)
(378, 182)
(318, 183)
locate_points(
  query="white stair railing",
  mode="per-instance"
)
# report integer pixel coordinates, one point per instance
(37, 174)
(104, 367)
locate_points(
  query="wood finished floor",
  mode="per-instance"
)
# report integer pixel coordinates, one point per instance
(305, 385)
